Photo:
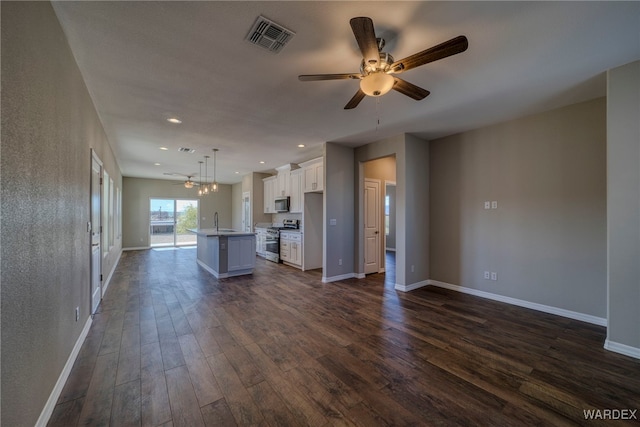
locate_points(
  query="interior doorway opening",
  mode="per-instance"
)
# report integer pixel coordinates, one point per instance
(379, 204)
(170, 221)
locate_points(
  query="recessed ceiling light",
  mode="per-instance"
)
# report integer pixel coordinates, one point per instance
(300, 145)
(164, 148)
(261, 162)
(156, 164)
(174, 120)
(237, 172)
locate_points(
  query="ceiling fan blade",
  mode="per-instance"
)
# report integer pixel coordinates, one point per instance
(366, 37)
(353, 102)
(450, 47)
(409, 89)
(317, 77)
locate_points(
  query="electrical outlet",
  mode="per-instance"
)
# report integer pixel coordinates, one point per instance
(487, 275)
(77, 313)
(340, 261)
(494, 275)
(494, 204)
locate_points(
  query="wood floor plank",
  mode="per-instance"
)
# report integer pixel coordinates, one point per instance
(242, 407)
(155, 408)
(96, 410)
(185, 411)
(204, 383)
(126, 405)
(218, 414)
(273, 409)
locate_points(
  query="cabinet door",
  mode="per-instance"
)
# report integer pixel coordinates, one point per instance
(269, 195)
(309, 178)
(241, 253)
(282, 186)
(320, 177)
(295, 253)
(296, 192)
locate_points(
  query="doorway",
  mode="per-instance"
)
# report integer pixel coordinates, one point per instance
(95, 227)
(170, 221)
(379, 217)
(246, 212)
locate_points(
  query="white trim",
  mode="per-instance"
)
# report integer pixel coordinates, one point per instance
(64, 376)
(411, 287)
(382, 270)
(339, 277)
(138, 248)
(627, 350)
(522, 303)
(106, 283)
(359, 275)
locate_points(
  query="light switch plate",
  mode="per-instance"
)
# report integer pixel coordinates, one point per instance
(494, 204)
(487, 205)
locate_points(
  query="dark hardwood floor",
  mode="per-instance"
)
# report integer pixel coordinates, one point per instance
(172, 346)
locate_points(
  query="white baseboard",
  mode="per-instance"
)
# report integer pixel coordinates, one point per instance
(64, 376)
(139, 248)
(106, 283)
(627, 350)
(411, 287)
(522, 303)
(339, 277)
(359, 275)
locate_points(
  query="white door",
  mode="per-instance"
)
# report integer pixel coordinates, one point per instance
(95, 228)
(371, 226)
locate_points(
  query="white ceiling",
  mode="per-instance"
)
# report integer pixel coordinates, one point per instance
(146, 61)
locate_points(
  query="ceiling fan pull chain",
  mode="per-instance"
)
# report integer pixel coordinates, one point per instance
(377, 112)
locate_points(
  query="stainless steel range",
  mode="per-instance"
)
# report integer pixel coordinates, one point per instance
(272, 250)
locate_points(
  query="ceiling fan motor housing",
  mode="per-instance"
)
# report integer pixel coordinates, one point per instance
(384, 64)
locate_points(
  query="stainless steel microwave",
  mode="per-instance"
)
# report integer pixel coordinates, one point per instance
(282, 204)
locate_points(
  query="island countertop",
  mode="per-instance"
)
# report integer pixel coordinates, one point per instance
(212, 232)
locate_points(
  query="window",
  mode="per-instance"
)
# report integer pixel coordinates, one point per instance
(386, 215)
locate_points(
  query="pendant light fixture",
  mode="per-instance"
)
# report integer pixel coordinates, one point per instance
(205, 188)
(214, 184)
(200, 178)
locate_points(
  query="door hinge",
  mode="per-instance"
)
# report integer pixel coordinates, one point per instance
(101, 277)
(100, 181)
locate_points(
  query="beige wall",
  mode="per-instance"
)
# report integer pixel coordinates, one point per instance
(137, 192)
(623, 208)
(49, 126)
(547, 239)
(236, 206)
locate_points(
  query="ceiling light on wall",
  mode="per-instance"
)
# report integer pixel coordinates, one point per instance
(174, 120)
(164, 148)
(262, 162)
(300, 145)
(156, 164)
(377, 84)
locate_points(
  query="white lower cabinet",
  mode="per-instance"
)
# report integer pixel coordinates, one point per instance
(291, 248)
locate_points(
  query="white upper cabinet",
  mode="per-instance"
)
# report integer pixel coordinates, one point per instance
(269, 193)
(283, 186)
(296, 191)
(313, 175)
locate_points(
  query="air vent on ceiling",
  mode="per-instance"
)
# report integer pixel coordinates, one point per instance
(269, 35)
(186, 150)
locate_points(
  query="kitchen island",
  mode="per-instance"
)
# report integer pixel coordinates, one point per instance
(225, 252)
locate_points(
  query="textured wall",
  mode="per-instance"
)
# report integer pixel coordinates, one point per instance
(547, 239)
(136, 193)
(49, 126)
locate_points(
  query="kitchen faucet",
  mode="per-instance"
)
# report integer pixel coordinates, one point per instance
(215, 221)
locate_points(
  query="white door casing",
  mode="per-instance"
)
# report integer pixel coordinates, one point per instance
(96, 229)
(371, 225)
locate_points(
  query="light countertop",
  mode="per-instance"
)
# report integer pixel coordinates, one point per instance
(212, 232)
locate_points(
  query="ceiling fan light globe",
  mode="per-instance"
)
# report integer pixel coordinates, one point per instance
(188, 184)
(376, 84)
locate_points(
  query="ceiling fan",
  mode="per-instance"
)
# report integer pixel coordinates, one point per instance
(188, 183)
(377, 67)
